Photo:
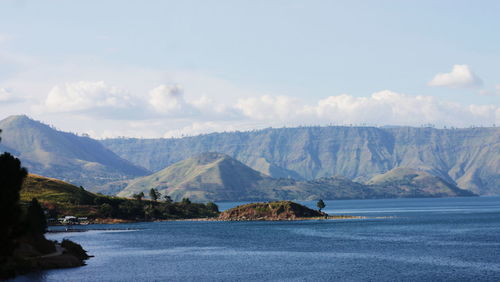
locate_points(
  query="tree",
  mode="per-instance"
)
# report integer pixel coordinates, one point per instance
(320, 204)
(12, 176)
(138, 196)
(106, 210)
(167, 198)
(154, 194)
(186, 201)
(36, 223)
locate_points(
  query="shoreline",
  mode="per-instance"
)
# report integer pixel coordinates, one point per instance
(211, 219)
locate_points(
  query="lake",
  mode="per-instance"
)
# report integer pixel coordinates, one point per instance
(449, 239)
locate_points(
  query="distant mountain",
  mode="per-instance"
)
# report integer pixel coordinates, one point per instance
(79, 160)
(218, 177)
(209, 176)
(468, 157)
(414, 182)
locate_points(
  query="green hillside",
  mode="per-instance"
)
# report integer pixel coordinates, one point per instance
(75, 159)
(218, 177)
(61, 198)
(55, 191)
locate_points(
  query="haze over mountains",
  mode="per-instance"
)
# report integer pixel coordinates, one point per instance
(468, 157)
(325, 156)
(66, 156)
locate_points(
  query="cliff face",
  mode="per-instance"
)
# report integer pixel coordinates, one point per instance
(282, 210)
(467, 157)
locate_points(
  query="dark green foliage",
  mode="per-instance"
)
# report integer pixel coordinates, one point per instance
(186, 201)
(131, 210)
(320, 204)
(11, 179)
(212, 206)
(138, 196)
(36, 223)
(106, 210)
(74, 249)
(61, 198)
(154, 194)
(167, 198)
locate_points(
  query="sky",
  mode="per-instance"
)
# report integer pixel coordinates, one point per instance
(176, 68)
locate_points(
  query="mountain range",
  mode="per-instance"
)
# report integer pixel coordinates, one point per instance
(469, 158)
(218, 177)
(76, 159)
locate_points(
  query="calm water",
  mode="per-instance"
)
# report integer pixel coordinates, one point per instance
(453, 239)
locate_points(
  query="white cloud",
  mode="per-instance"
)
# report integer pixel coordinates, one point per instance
(196, 128)
(88, 96)
(461, 76)
(381, 108)
(7, 96)
(168, 100)
(177, 116)
(270, 107)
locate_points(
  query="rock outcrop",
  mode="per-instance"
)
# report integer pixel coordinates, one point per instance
(281, 210)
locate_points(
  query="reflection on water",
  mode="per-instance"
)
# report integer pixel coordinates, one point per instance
(424, 240)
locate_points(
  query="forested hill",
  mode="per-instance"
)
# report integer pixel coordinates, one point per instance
(469, 157)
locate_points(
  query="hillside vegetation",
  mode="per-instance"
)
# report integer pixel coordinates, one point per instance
(218, 177)
(468, 157)
(61, 198)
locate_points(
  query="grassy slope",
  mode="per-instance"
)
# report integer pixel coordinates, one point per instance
(217, 177)
(412, 182)
(71, 200)
(202, 178)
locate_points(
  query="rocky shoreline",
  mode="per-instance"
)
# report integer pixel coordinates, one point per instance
(334, 217)
(42, 254)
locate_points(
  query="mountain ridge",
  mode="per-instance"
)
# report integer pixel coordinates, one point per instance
(468, 157)
(218, 177)
(76, 159)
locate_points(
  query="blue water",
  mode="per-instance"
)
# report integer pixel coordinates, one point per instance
(451, 239)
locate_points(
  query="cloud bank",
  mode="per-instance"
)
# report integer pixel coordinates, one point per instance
(165, 111)
(87, 96)
(461, 76)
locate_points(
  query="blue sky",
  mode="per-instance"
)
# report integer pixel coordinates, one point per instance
(166, 68)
